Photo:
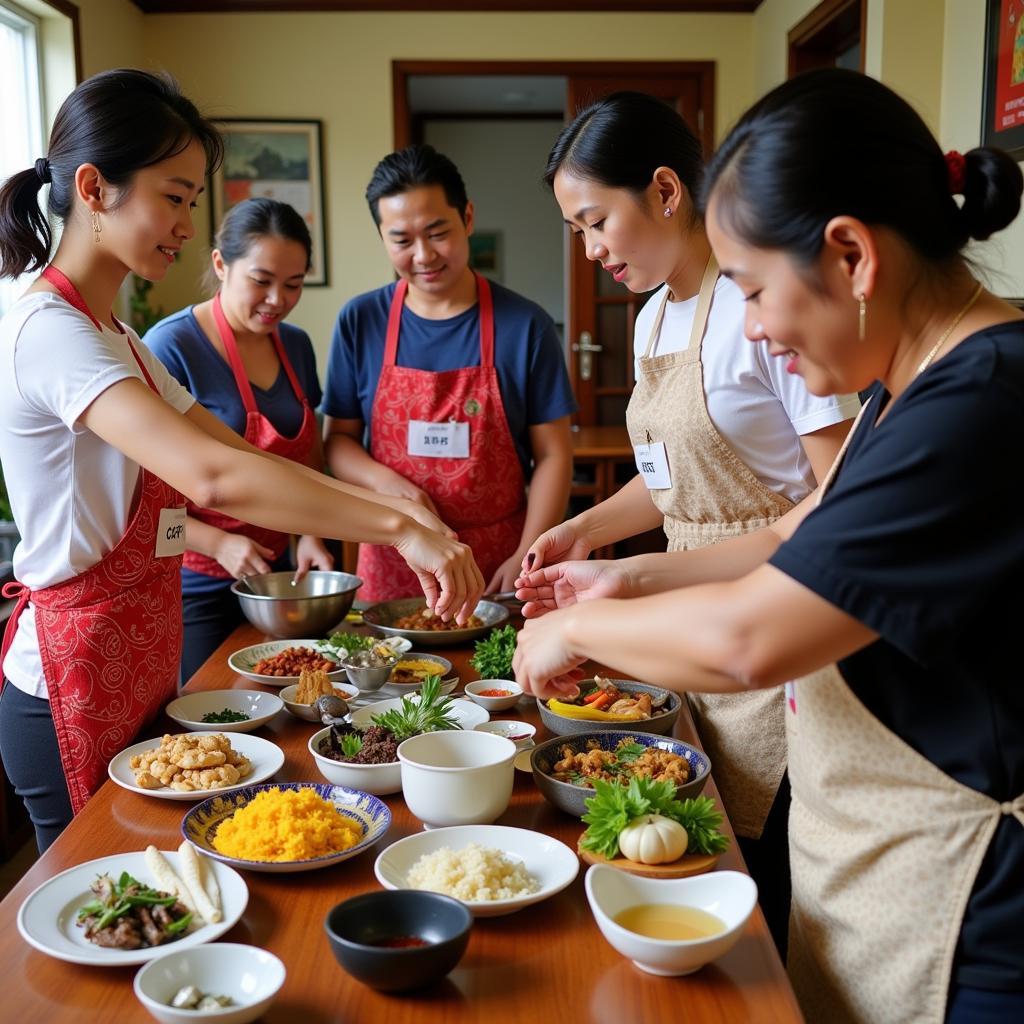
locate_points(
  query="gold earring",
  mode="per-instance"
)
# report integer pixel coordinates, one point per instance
(863, 318)
(96, 227)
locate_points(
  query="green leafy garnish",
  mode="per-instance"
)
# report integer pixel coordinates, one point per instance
(613, 806)
(351, 744)
(492, 656)
(347, 642)
(117, 899)
(428, 714)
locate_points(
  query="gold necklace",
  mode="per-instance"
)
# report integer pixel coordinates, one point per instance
(924, 364)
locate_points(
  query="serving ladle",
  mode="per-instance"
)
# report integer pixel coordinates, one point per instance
(333, 711)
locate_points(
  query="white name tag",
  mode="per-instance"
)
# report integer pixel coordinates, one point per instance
(170, 533)
(439, 440)
(652, 461)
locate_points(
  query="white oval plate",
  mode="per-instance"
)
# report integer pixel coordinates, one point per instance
(465, 712)
(267, 759)
(47, 918)
(242, 661)
(551, 862)
(188, 709)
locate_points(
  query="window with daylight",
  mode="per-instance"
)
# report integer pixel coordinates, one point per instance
(21, 114)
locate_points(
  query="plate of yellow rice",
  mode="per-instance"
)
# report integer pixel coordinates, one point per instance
(288, 826)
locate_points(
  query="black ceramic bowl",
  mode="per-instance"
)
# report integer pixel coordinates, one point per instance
(357, 928)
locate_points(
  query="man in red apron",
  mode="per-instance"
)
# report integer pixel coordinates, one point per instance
(457, 386)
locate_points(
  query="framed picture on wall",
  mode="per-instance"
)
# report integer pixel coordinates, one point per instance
(485, 253)
(280, 160)
(1002, 121)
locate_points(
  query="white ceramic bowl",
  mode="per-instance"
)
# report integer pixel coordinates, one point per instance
(306, 711)
(188, 710)
(379, 779)
(467, 714)
(520, 733)
(729, 895)
(244, 661)
(457, 778)
(553, 864)
(252, 977)
(515, 691)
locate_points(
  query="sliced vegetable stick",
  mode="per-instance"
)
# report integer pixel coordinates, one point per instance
(210, 881)
(190, 869)
(167, 879)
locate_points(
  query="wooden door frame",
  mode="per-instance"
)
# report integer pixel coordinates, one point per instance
(402, 70)
(816, 24)
(701, 71)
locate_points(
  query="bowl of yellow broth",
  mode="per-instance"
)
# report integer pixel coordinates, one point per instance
(670, 926)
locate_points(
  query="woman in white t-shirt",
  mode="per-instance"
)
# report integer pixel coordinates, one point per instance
(100, 445)
(727, 441)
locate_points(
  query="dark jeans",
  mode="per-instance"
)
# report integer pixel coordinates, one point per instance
(768, 862)
(28, 744)
(983, 1006)
(209, 619)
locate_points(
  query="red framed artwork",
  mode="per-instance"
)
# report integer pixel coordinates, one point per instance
(1002, 122)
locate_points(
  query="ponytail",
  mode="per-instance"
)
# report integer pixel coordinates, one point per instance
(25, 237)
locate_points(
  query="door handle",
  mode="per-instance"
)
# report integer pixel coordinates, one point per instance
(586, 348)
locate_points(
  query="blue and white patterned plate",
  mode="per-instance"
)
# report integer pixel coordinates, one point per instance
(371, 814)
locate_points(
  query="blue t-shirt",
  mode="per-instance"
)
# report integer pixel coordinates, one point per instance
(532, 376)
(180, 344)
(921, 539)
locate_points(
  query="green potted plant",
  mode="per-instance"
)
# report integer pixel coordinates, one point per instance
(143, 316)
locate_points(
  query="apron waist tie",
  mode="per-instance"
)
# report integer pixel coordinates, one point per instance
(19, 591)
(1014, 807)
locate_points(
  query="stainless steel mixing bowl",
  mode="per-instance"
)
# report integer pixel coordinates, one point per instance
(313, 606)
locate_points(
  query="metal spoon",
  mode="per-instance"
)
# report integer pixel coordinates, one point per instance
(333, 711)
(244, 580)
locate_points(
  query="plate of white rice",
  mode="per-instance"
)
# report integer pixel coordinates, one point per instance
(492, 869)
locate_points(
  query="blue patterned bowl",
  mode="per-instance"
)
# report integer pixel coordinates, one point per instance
(568, 797)
(371, 814)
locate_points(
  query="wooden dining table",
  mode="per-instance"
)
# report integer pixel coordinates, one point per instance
(548, 961)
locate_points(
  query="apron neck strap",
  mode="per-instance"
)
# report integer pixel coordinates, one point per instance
(833, 470)
(700, 314)
(73, 297)
(227, 338)
(486, 312)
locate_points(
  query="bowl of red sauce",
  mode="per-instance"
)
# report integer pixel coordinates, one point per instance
(494, 694)
(396, 940)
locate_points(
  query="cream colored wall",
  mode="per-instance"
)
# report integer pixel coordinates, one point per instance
(112, 35)
(337, 67)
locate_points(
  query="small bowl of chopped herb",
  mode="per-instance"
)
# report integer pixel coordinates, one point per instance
(224, 710)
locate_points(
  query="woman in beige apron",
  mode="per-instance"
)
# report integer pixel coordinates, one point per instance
(692, 479)
(896, 602)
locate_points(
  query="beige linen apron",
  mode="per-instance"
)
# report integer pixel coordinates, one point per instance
(714, 496)
(884, 850)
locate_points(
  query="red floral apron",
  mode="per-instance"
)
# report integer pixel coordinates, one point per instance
(260, 433)
(482, 497)
(110, 637)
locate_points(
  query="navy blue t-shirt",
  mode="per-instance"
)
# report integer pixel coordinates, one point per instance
(528, 356)
(180, 344)
(921, 538)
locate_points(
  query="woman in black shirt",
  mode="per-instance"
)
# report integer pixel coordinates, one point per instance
(897, 598)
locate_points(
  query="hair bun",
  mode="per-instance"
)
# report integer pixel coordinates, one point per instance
(43, 170)
(992, 189)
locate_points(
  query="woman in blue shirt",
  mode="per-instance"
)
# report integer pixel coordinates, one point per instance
(257, 374)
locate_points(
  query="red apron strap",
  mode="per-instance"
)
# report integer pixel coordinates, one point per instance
(22, 593)
(486, 302)
(73, 297)
(142, 365)
(394, 323)
(288, 368)
(227, 337)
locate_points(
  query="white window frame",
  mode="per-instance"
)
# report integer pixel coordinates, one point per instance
(22, 137)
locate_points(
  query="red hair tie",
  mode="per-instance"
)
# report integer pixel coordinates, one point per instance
(956, 168)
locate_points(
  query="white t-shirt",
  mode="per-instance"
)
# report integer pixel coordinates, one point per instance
(70, 492)
(757, 407)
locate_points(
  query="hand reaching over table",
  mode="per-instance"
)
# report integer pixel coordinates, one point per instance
(569, 583)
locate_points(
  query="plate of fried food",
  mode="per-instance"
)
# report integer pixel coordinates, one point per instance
(410, 617)
(195, 765)
(280, 662)
(130, 908)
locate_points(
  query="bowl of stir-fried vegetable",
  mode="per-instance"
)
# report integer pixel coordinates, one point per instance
(617, 704)
(566, 767)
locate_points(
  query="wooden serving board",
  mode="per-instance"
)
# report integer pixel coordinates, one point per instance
(688, 864)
